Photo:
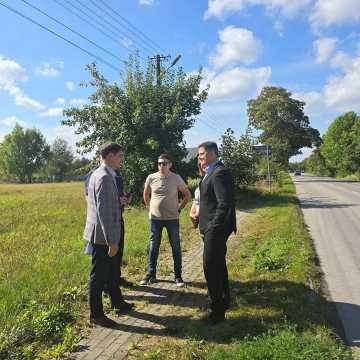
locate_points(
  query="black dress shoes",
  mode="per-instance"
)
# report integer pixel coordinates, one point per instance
(103, 321)
(123, 282)
(124, 307)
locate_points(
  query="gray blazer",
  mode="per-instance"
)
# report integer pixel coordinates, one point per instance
(103, 209)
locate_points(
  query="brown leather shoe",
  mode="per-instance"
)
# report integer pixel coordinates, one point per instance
(103, 321)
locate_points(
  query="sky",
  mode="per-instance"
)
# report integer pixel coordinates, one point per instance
(309, 47)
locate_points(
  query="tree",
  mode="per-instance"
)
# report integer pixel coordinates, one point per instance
(238, 156)
(315, 164)
(61, 159)
(81, 166)
(283, 123)
(22, 153)
(145, 117)
(341, 145)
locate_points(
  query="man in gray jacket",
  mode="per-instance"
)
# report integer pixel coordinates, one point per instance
(103, 231)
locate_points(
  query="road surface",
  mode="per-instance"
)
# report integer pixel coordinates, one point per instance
(332, 211)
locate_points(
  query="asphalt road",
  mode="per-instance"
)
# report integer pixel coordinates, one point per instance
(332, 211)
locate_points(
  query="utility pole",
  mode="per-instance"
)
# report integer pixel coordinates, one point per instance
(268, 166)
(158, 59)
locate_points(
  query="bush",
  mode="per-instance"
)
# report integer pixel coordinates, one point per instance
(35, 325)
(193, 183)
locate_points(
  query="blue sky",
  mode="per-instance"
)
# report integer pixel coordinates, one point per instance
(310, 47)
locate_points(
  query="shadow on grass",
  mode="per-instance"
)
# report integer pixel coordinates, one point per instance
(256, 307)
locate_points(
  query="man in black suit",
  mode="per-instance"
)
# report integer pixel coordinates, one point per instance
(217, 220)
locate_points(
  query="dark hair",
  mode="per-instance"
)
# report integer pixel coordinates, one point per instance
(164, 157)
(108, 148)
(210, 146)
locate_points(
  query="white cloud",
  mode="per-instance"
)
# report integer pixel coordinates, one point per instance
(341, 60)
(236, 45)
(60, 101)
(11, 71)
(77, 101)
(238, 82)
(341, 92)
(314, 101)
(223, 8)
(21, 99)
(53, 112)
(11, 121)
(49, 70)
(70, 85)
(324, 48)
(126, 42)
(335, 12)
(146, 2)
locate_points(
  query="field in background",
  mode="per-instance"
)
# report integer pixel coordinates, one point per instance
(42, 259)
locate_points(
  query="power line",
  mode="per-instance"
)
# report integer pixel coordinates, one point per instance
(149, 46)
(119, 31)
(73, 31)
(89, 23)
(60, 36)
(209, 125)
(211, 119)
(144, 36)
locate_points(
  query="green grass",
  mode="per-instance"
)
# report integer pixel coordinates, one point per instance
(42, 260)
(276, 314)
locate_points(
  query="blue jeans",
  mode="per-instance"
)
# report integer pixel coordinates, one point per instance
(172, 228)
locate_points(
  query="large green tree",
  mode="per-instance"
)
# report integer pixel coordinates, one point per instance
(341, 145)
(61, 159)
(145, 116)
(22, 153)
(283, 123)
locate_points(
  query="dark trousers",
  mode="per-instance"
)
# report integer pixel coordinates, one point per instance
(215, 269)
(173, 230)
(104, 271)
(121, 245)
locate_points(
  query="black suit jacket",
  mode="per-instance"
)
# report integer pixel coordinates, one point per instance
(217, 202)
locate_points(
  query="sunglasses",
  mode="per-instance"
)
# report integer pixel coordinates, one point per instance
(164, 163)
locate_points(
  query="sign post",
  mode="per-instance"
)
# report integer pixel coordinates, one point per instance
(265, 150)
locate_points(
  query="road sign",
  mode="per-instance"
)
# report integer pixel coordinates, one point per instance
(265, 150)
(262, 149)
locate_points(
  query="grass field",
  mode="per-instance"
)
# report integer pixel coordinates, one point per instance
(43, 276)
(42, 265)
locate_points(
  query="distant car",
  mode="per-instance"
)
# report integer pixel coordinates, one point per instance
(297, 172)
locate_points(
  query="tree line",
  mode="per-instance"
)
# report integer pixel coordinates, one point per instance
(339, 153)
(25, 156)
(149, 115)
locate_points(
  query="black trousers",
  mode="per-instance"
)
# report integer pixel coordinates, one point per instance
(104, 271)
(121, 245)
(215, 269)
